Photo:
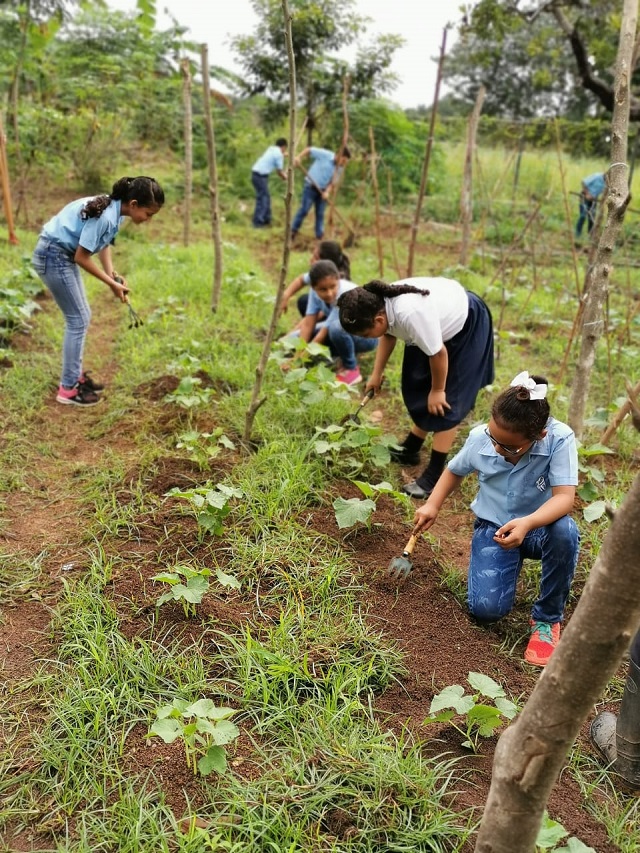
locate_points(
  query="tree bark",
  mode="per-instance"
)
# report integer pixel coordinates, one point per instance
(531, 752)
(256, 399)
(466, 196)
(597, 284)
(216, 232)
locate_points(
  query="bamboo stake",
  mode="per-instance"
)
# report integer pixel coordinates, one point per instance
(216, 231)
(567, 212)
(6, 190)
(629, 405)
(466, 196)
(392, 221)
(427, 158)
(376, 195)
(188, 148)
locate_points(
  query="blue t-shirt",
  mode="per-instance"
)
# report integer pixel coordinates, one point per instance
(68, 230)
(322, 168)
(594, 184)
(315, 304)
(273, 158)
(511, 491)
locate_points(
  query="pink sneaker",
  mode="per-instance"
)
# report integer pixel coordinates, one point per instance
(349, 377)
(79, 395)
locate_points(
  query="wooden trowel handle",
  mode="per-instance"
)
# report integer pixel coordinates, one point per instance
(411, 544)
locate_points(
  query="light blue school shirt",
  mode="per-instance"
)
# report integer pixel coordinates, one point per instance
(511, 491)
(322, 168)
(273, 158)
(594, 184)
(329, 309)
(68, 230)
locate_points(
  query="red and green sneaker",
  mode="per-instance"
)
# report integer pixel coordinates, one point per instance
(543, 640)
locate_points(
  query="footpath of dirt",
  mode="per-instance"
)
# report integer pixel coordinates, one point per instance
(440, 643)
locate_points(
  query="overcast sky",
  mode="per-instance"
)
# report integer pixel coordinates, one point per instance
(419, 23)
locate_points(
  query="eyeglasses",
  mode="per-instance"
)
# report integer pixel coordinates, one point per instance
(510, 451)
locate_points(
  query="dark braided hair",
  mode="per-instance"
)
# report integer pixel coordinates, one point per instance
(359, 307)
(146, 191)
(323, 269)
(515, 410)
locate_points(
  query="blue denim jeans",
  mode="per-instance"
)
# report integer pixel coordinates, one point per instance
(310, 198)
(587, 213)
(262, 212)
(345, 345)
(494, 571)
(61, 274)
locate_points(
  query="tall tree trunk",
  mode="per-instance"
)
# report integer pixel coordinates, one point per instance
(597, 285)
(6, 188)
(466, 196)
(427, 158)
(216, 232)
(188, 149)
(256, 399)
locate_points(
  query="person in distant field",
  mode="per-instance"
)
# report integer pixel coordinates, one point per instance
(592, 188)
(321, 323)
(325, 170)
(325, 250)
(272, 160)
(67, 243)
(527, 468)
(617, 739)
(448, 358)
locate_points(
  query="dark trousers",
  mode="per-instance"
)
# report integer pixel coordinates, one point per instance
(262, 212)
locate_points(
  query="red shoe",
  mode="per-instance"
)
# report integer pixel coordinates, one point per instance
(349, 377)
(544, 638)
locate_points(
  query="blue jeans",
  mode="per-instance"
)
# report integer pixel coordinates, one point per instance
(493, 571)
(310, 198)
(346, 346)
(262, 212)
(61, 274)
(587, 213)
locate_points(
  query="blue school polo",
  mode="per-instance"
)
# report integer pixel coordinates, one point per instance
(315, 304)
(68, 230)
(594, 184)
(273, 158)
(512, 491)
(322, 168)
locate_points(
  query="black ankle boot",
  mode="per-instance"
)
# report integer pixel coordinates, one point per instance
(618, 738)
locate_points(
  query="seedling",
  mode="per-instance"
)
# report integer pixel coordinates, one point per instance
(552, 833)
(204, 446)
(211, 504)
(189, 395)
(204, 729)
(594, 478)
(355, 510)
(339, 444)
(187, 586)
(480, 720)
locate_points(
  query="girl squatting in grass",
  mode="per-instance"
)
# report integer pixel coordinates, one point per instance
(67, 243)
(527, 467)
(448, 358)
(321, 323)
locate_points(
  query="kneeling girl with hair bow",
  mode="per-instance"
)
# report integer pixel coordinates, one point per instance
(527, 467)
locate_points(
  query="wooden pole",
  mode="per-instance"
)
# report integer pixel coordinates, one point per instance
(188, 148)
(6, 190)
(376, 195)
(427, 157)
(216, 232)
(629, 405)
(466, 196)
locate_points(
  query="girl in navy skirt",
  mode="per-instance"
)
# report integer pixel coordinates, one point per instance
(448, 358)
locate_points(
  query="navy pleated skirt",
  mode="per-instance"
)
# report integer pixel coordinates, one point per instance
(470, 369)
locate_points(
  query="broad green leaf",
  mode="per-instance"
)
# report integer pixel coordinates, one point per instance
(442, 717)
(215, 760)
(217, 499)
(227, 442)
(587, 491)
(594, 511)
(551, 832)
(506, 707)
(167, 577)
(201, 708)
(322, 447)
(230, 491)
(352, 511)
(574, 845)
(181, 592)
(595, 450)
(198, 585)
(452, 697)
(168, 729)
(225, 732)
(228, 580)
(366, 488)
(485, 685)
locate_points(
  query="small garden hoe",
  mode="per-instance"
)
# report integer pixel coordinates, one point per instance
(354, 416)
(400, 567)
(135, 319)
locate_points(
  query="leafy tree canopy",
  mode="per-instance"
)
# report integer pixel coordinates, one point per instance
(320, 29)
(538, 58)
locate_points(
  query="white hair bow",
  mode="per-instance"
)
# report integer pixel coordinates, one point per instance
(536, 392)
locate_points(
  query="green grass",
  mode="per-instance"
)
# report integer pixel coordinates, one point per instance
(302, 665)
